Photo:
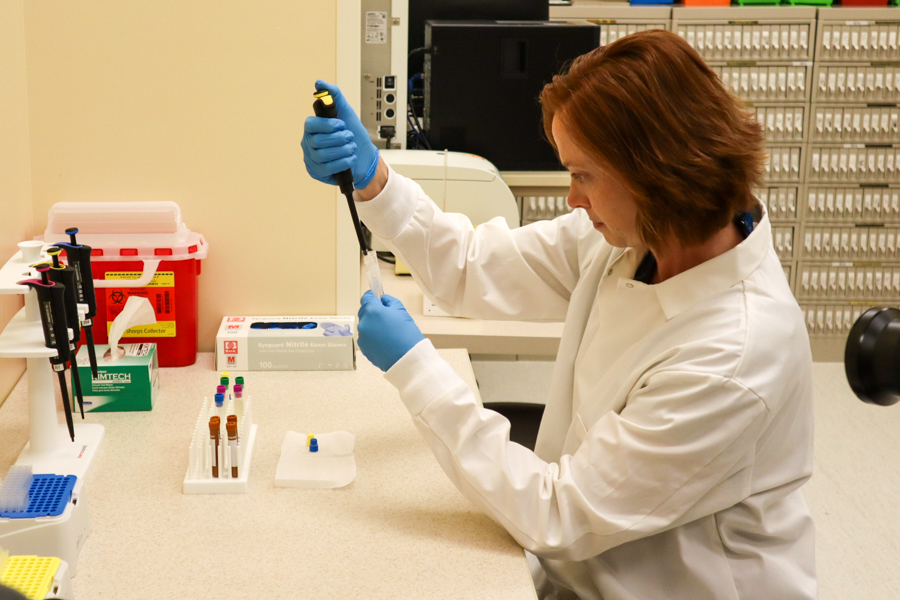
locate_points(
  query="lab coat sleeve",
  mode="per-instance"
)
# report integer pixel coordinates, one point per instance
(682, 448)
(493, 272)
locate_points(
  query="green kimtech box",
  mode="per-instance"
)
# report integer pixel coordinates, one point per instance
(129, 383)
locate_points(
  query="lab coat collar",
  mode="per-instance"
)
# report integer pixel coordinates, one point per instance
(679, 293)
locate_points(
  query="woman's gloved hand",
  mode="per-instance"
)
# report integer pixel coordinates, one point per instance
(331, 146)
(386, 331)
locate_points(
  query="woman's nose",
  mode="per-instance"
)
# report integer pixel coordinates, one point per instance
(576, 200)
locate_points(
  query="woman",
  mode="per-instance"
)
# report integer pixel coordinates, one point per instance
(679, 425)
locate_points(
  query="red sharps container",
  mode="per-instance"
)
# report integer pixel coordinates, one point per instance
(139, 249)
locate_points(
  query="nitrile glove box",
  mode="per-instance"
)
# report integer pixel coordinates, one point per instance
(286, 344)
(130, 383)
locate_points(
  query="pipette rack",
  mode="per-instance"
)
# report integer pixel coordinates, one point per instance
(199, 479)
(49, 449)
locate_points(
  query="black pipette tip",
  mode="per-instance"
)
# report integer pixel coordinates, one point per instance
(77, 381)
(92, 355)
(68, 409)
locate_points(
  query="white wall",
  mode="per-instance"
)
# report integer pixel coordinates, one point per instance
(197, 101)
(15, 173)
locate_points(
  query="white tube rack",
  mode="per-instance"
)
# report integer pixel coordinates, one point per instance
(199, 479)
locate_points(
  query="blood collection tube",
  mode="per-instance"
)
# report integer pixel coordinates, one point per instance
(239, 399)
(231, 427)
(214, 424)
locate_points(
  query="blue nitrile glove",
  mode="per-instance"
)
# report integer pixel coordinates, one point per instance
(335, 330)
(386, 331)
(334, 145)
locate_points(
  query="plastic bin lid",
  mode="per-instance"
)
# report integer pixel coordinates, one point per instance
(126, 230)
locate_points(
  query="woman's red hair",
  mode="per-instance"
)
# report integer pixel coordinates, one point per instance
(649, 107)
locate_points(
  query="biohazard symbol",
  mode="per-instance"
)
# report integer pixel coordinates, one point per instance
(117, 297)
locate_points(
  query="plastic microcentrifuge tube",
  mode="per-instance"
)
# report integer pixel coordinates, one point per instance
(374, 273)
(313, 445)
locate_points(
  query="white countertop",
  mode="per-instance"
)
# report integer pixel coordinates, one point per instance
(400, 530)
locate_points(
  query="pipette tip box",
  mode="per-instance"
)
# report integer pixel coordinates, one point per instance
(36, 577)
(47, 497)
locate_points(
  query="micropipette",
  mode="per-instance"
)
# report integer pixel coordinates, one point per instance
(324, 106)
(51, 300)
(66, 276)
(79, 257)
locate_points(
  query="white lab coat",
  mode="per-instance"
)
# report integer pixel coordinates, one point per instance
(667, 466)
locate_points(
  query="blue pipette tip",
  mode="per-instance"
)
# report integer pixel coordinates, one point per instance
(220, 398)
(314, 445)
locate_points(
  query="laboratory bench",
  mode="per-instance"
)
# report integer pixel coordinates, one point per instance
(400, 530)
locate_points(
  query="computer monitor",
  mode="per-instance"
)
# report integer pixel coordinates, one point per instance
(457, 10)
(483, 82)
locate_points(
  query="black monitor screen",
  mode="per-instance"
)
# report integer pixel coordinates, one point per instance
(483, 81)
(500, 10)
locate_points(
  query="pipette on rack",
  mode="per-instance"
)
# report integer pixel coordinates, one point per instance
(51, 300)
(65, 275)
(324, 106)
(79, 257)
